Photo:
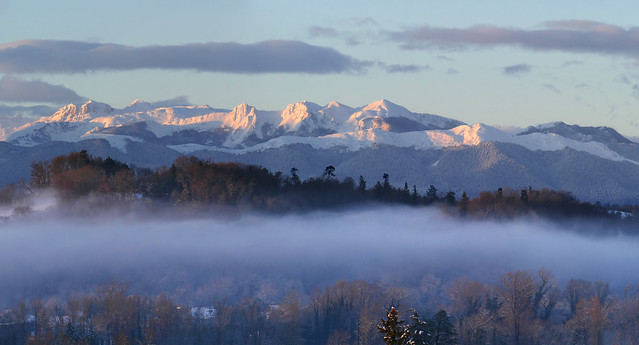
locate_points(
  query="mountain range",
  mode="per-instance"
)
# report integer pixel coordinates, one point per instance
(594, 163)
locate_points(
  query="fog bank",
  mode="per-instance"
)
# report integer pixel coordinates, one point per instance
(199, 259)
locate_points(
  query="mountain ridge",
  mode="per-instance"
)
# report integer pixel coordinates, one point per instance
(596, 163)
(245, 126)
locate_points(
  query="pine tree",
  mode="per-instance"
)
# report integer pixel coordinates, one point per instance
(524, 195)
(294, 177)
(329, 172)
(419, 330)
(431, 194)
(362, 184)
(450, 198)
(385, 177)
(393, 330)
(442, 331)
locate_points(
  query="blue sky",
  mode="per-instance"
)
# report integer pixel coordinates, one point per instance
(479, 61)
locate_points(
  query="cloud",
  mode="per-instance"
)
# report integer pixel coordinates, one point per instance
(623, 78)
(552, 88)
(52, 56)
(568, 35)
(17, 90)
(572, 63)
(35, 111)
(368, 21)
(445, 58)
(405, 68)
(582, 25)
(322, 31)
(516, 70)
(452, 71)
(175, 101)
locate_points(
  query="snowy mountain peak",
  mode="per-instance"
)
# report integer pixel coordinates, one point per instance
(334, 104)
(241, 117)
(191, 128)
(304, 106)
(548, 125)
(138, 106)
(384, 107)
(600, 134)
(337, 113)
(478, 133)
(73, 113)
(137, 101)
(243, 108)
(304, 118)
(390, 117)
(94, 108)
(67, 113)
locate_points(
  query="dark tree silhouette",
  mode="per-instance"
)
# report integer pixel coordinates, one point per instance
(392, 329)
(431, 194)
(450, 198)
(294, 177)
(329, 172)
(362, 184)
(385, 177)
(442, 331)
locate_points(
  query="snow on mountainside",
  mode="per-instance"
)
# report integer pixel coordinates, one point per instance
(463, 135)
(303, 119)
(73, 113)
(395, 118)
(243, 129)
(601, 134)
(596, 163)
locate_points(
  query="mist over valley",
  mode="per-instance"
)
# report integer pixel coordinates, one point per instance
(201, 260)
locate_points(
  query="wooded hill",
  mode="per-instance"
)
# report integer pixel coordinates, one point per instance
(198, 184)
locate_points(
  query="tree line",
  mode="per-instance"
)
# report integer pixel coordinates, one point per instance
(521, 308)
(199, 184)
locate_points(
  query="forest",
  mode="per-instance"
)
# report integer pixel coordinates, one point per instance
(521, 308)
(408, 299)
(193, 184)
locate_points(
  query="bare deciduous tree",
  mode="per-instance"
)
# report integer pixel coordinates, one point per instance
(516, 290)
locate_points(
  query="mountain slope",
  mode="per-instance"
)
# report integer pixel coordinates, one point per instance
(595, 163)
(601, 134)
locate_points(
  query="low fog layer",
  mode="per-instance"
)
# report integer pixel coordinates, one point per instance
(199, 259)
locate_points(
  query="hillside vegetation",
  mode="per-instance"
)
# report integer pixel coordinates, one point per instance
(194, 184)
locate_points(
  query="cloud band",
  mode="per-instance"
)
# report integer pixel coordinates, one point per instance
(568, 35)
(52, 56)
(16, 90)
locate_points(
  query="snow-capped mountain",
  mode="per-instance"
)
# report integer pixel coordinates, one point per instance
(391, 117)
(368, 140)
(245, 128)
(600, 134)
(75, 113)
(240, 128)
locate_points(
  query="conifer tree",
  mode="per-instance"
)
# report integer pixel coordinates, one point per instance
(463, 203)
(329, 172)
(431, 194)
(294, 177)
(450, 198)
(362, 184)
(442, 331)
(393, 330)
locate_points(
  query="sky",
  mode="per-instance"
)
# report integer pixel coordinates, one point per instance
(476, 61)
